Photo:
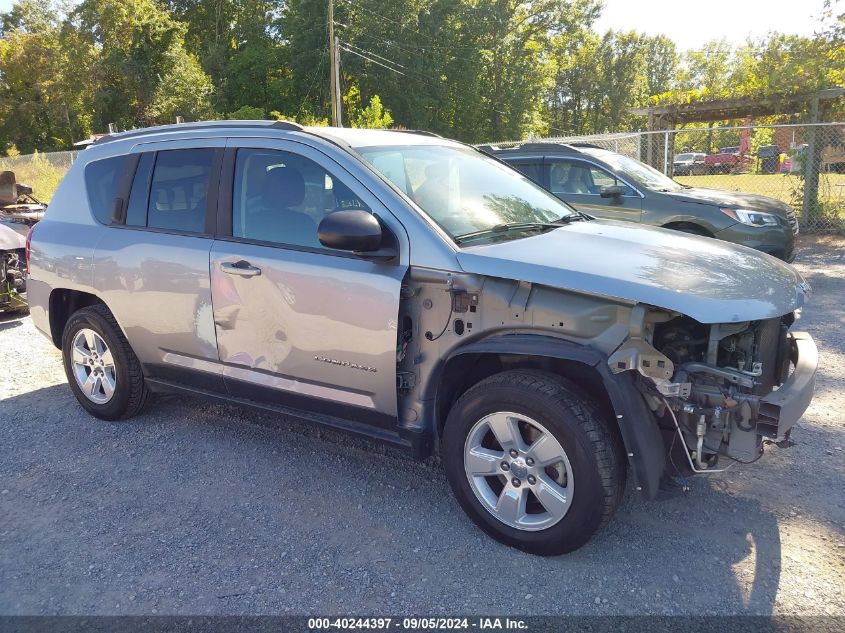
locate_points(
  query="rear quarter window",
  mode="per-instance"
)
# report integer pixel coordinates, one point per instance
(103, 179)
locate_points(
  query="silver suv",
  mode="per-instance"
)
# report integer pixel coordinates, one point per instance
(414, 290)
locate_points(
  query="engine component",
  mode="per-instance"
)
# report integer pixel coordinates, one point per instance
(728, 369)
(12, 280)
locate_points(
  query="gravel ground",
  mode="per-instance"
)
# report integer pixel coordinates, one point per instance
(195, 508)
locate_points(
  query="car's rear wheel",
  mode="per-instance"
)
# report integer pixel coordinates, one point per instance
(692, 229)
(102, 370)
(532, 462)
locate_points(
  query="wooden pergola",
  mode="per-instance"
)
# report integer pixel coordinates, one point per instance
(667, 117)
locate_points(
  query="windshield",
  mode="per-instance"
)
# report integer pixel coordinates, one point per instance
(682, 157)
(463, 190)
(640, 173)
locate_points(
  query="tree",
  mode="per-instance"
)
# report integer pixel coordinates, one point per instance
(708, 69)
(32, 112)
(373, 116)
(29, 16)
(141, 70)
(621, 62)
(238, 44)
(661, 64)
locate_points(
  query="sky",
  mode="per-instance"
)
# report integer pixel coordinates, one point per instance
(692, 23)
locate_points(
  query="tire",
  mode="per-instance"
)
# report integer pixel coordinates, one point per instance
(690, 229)
(125, 380)
(588, 481)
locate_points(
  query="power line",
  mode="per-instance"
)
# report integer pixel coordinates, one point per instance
(358, 48)
(313, 81)
(416, 50)
(370, 59)
(408, 72)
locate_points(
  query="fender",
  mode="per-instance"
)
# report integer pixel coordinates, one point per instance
(640, 433)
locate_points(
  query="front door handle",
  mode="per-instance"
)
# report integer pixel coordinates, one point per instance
(241, 268)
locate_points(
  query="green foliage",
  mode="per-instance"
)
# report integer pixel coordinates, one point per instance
(304, 118)
(769, 67)
(372, 116)
(476, 70)
(247, 113)
(138, 53)
(30, 16)
(597, 79)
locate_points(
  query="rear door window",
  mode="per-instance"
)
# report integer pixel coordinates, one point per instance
(179, 190)
(103, 179)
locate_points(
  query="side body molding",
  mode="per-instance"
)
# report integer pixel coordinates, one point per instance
(640, 433)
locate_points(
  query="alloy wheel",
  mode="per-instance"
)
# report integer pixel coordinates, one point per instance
(93, 366)
(518, 471)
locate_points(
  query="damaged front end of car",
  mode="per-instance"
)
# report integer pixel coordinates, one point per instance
(721, 389)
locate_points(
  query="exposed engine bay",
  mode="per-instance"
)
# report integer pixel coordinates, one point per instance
(19, 212)
(709, 383)
(12, 280)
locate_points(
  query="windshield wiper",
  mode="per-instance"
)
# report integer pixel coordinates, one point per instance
(507, 227)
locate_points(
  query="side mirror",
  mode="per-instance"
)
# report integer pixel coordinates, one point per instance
(611, 191)
(354, 230)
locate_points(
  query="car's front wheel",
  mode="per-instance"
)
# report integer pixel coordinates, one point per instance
(532, 462)
(102, 370)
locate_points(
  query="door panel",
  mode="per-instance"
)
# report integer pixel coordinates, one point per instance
(155, 278)
(313, 323)
(579, 184)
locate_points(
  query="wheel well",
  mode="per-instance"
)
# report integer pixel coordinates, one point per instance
(688, 227)
(63, 303)
(466, 370)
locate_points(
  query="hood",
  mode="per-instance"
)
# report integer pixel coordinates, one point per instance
(707, 279)
(10, 237)
(735, 199)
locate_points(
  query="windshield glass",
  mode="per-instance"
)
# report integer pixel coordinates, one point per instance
(681, 157)
(463, 190)
(640, 173)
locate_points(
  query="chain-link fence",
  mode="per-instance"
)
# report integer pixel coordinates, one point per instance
(42, 172)
(803, 165)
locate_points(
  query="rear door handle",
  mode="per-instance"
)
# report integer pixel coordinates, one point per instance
(241, 268)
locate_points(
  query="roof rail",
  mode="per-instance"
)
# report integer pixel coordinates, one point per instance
(420, 132)
(199, 125)
(546, 145)
(489, 148)
(587, 145)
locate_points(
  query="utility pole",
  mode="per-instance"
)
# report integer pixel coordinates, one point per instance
(334, 79)
(339, 114)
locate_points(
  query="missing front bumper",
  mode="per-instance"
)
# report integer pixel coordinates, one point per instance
(782, 408)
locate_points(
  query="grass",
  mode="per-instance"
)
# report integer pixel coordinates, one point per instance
(786, 187)
(42, 172)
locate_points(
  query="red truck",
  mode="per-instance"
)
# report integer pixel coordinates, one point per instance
(726, 161)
